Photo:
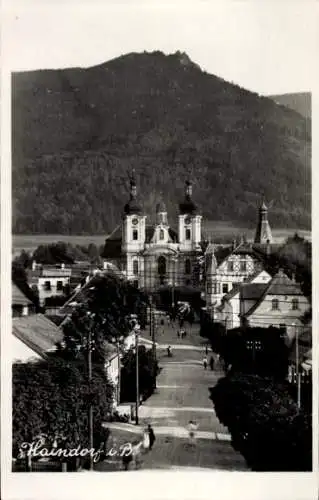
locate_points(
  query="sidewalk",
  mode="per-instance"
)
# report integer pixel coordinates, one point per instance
(177, 432)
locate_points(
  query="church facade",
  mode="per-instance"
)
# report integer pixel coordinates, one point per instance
(157, 255)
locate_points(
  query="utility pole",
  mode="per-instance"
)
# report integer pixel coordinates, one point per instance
(89, 350)
(297, 368)
(119, 375)
(137, 403)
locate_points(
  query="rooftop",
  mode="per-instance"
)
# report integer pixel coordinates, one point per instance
(18, 298)
(37, 332)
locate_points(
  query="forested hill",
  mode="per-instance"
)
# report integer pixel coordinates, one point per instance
(300, 102)
(77, 132)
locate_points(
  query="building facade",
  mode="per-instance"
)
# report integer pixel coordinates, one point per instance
(156, 255)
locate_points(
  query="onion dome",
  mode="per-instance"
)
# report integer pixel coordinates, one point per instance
(187, 206)
(132, 207)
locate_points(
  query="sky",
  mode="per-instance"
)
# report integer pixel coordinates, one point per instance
(265, 46)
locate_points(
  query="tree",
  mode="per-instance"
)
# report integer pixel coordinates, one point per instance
(264, 422)
(148, 370)
(51, 397)
(20, 279)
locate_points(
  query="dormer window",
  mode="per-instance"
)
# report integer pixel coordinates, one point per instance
(161, 234)
(231, 266)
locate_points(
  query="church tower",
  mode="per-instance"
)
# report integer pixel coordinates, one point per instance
(263, 231)
(212, 285)
(189, 224)
(133, 234)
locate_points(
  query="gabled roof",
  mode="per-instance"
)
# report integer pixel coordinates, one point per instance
(252, 291)
(37, 332)
(279, 285)
(18, 298)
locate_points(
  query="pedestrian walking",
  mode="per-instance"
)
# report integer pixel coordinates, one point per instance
(151, 434)
(192, 428)
(169, 351)
(127, 458)
(205, 363)
(178, 333)
(146, 439)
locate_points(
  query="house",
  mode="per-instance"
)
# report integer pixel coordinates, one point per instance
(228, 312)
(34, 337)
(49, 281)
(279, 303)
(20, 304)
(226, 268)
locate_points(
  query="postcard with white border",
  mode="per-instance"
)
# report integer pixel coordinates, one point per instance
(156, 250)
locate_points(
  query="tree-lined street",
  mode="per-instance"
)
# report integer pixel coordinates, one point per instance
(182, 395)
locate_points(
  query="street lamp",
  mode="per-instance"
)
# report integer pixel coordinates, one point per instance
(137, 401)
(90, 347)
(297, 366)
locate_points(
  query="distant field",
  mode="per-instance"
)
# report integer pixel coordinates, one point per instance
(215, 230)
(30, 242)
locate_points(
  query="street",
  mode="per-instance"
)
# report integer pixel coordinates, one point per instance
(182, 395)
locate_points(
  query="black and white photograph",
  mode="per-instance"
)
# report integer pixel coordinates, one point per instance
(160, 273)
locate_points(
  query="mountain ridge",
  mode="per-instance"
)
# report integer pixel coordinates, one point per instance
(77, 132)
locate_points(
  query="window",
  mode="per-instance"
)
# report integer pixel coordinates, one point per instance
(59, 286)
(295, 304)
(188, 234)
(187, 266)
(47, 285)
(243, 266)
(135, 234)
(161, 266)
(135, 267)
(275, 304)
(215, 288)
(231, 266)
(225, 287)
(161, 234)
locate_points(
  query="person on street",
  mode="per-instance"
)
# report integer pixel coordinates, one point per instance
(151, 436)
(169, 351)
(192, 427)
(146, 440)
(205, 363)
(178, 333)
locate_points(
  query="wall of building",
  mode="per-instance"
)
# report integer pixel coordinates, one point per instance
(265, 316)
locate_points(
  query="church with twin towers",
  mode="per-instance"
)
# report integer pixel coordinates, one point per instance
(157, 255)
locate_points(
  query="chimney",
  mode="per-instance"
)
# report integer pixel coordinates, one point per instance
(34, 265)
(105, 266)
(234, 244)
(62, 265)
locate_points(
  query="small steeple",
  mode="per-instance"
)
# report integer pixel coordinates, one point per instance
(263, 231)
(161, 213)
(132, 207)
(188, 206)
